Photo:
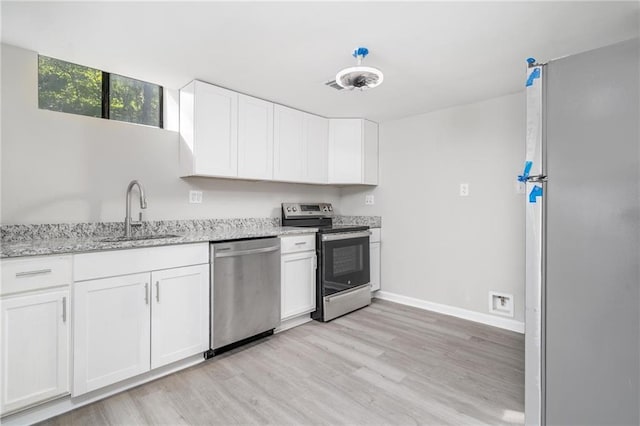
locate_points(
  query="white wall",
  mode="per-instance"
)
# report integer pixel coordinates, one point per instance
(59, 167)
(438, 246)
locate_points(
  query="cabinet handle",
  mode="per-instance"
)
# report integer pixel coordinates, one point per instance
(158, 291)
(146, 293)
(301, 243)
(29, 273)
(64, 309)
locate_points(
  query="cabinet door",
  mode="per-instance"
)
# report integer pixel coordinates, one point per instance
(215, 131)
(111, 330)
(35, 348)
(289, 160)
(298, 292)
(345, 150)
(316, 133)
(255, 138)
(374, 263)
(370, 151)
(179, 314)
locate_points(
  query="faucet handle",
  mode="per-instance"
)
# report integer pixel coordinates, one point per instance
(138, 222)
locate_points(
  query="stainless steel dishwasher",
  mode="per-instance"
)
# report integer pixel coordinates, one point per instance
(245, 293)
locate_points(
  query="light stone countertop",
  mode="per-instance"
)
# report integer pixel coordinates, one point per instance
(52, 239)
(87, 244)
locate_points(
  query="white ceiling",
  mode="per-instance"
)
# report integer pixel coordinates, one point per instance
(433, 54)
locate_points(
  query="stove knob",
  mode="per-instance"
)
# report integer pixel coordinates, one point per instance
(330, 208)
(289, 209)
(295, 209)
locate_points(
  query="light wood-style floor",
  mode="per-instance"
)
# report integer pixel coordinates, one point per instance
(385, 364)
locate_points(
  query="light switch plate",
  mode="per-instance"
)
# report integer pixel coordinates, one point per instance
(195, 197)
(369, 200)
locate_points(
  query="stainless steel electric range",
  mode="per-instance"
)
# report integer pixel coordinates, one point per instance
(342, 277)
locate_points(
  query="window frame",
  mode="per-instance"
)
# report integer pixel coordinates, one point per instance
(106, 96)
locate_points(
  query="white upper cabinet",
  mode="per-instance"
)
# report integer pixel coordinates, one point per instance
(300, 146)
(316, 138)
(370, 153)
(353, 151)
(227, 134)
(255, 138)
(289, 151)
(208, 130)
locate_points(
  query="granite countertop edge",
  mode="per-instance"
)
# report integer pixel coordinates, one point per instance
(87, 244)
(72, 238)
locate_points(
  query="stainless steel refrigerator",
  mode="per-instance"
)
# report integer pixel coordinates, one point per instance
(582, 174)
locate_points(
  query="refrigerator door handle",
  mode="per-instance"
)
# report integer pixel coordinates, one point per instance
(537, 178)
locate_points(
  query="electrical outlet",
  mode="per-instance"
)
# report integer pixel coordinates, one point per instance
(464, 189)
(195, 197)
(369, 200)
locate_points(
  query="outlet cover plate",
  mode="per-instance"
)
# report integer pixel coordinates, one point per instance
(369, 200)
(195, 197)
(464, 189)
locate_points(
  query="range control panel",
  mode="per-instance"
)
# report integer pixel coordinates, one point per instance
(291, 210)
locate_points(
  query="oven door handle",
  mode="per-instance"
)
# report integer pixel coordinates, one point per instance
(345, 235)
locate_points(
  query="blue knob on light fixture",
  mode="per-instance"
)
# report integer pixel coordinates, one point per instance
(360, 52)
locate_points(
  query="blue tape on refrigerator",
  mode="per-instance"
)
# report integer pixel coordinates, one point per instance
(525, 174)
(534, 74)
(536, 192)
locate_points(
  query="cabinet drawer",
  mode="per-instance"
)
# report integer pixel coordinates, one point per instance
(35, 273)
(112, 263)
(297, 243)
(375, 235)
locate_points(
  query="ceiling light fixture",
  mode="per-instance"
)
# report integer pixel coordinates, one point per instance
(359, 77)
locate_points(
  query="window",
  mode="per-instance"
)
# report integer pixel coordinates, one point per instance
(76, 89)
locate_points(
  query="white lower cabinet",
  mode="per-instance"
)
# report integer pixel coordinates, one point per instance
(179, 314)
(112, 327)
(35, 348)
(298, 284)
(141, 319)
(298, 276)
(374, 263)
(374, 258)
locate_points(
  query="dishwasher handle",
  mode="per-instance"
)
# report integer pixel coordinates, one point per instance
(247, 252)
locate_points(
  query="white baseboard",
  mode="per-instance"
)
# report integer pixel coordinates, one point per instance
(505, 323)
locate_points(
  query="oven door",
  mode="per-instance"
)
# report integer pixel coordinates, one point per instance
(345, 261)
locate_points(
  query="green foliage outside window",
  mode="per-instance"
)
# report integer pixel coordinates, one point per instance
(134, 101)
(67, 87)
(76, 89)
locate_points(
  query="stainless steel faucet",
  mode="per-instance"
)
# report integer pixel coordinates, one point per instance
(128, 223)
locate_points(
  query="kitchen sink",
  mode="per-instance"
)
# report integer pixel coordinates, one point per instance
(137, 238)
